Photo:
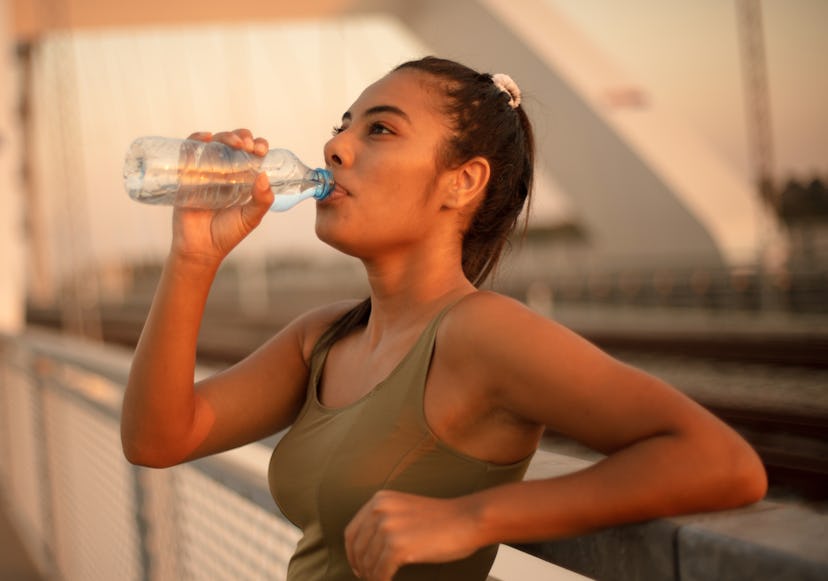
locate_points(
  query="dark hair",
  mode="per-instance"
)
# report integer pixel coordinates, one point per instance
(483, 123)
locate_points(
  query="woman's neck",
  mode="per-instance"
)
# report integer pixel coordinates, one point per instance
(408, 290)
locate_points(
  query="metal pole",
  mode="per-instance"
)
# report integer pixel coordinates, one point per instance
(12, 291)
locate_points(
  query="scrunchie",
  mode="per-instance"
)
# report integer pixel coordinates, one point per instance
(507, 85)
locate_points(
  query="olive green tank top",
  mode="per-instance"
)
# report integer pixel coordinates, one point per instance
(334, 459)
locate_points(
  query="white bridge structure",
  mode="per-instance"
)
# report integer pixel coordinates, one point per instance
(641, 189)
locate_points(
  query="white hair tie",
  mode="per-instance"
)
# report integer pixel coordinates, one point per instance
(507, 85)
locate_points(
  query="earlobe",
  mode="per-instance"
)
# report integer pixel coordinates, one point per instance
(468, 183)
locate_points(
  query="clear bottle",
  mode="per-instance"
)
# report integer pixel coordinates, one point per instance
(211, 175)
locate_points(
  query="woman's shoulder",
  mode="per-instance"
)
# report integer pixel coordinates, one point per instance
(489, 326)
(486, 317)
(310, 326)
(483, 307)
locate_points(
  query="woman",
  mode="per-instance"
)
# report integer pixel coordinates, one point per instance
(415, 412)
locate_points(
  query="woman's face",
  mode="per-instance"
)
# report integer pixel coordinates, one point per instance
(383, 158)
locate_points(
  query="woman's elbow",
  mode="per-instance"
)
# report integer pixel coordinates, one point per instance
(147, 456)
(750, 480)
(741, 476)
(139, 458)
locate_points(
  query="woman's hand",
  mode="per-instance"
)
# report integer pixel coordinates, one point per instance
(394, 529)
(209, 235)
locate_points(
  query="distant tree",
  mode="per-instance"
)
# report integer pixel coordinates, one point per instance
(817, 196)
(792, 207)
(801, 203)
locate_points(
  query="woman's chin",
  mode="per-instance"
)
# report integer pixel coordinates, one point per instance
(327, 234)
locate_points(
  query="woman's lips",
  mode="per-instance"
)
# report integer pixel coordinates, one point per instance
(337, 192)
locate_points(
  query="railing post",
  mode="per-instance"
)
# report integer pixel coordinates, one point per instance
(39, 368)
(142, 524)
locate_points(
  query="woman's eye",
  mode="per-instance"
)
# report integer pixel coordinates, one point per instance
(373, 129)
(379, 129)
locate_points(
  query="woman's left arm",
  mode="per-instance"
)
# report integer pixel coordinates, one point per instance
(665, 454)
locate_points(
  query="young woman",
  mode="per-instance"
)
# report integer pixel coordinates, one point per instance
(414, 413)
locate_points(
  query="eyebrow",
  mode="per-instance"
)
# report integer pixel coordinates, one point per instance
(381, 109)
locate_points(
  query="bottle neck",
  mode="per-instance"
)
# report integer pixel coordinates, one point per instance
(326, 183)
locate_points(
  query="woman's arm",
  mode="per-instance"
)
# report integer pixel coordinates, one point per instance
(165, 420)
(666, 455)
(159, 406)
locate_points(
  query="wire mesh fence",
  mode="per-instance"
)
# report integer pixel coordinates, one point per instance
(87, 514)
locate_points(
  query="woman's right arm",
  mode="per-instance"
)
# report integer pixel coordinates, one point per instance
(166, 419)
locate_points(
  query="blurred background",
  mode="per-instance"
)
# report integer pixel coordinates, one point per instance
(683, 153)
(682, 148)
(680, 218)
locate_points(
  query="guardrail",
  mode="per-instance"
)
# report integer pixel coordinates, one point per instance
(85, 513)
(715, 289)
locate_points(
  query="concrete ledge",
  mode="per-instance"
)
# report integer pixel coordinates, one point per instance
(770, 542)
(643, 551)
(760, 543)
(765, 541)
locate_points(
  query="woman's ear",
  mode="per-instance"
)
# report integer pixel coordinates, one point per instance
(467, 183)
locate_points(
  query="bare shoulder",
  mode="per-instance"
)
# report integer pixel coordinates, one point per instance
(545, 374)
(489, 316)
(476, 329)
(310, 326)
(497, 340)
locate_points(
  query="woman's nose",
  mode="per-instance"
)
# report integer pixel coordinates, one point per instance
(337, 152)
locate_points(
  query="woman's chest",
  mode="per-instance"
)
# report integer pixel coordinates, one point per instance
(448, 402)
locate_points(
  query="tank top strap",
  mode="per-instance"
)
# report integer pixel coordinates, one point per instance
(429, 334)
(411, 370)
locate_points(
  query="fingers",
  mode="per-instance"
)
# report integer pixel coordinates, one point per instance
(238, 139)
(354, 540)
(382, 558)
(262, 198)
(201, 136)
(375, 554)
(373, 542)
(358, 536)
(394, 529)
(262, 194)
(243, 139)
(260, 146)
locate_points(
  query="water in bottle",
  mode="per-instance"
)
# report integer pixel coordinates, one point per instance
(211, 175)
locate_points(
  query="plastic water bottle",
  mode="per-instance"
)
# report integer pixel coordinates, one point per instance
(211, 175)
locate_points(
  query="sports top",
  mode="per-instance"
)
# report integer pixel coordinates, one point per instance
(334, 459)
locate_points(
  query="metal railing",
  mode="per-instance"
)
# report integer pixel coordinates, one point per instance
(713, 289)
(85, 513)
